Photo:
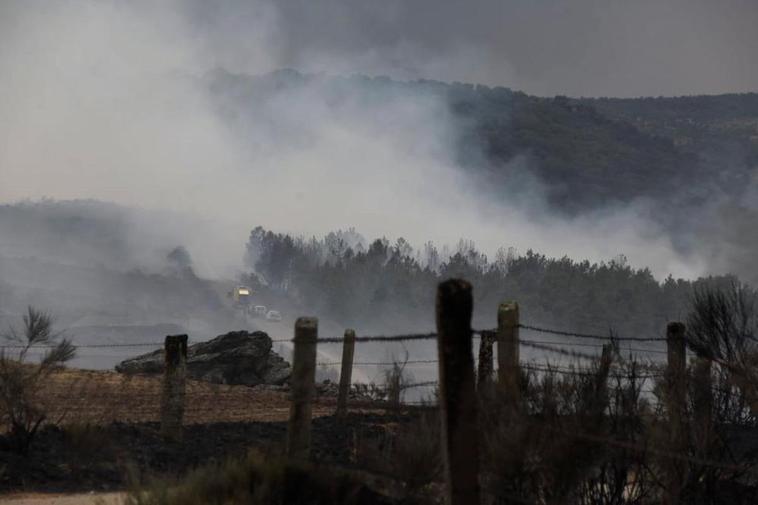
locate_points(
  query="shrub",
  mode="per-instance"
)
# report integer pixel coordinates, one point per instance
(21, 382)
(255, 480)
(409, 453)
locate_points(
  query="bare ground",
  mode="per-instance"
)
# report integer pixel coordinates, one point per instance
(104, 430)
(59, 499)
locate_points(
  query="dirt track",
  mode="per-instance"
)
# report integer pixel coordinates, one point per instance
(58, 499)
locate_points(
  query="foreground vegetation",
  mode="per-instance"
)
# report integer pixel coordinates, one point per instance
(603, 434)
(259, 480)
(21, 409)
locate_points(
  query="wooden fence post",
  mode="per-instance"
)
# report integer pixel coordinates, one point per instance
(676, 398)
(702, 403)
(302, 388)
(458, 397)
(346, 373)
(174, 380)
(606, 359)
(484, 375)
(508, 349)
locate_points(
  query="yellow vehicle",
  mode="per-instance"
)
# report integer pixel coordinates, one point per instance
(242, 296)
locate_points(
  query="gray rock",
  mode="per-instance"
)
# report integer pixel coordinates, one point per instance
(238, 357)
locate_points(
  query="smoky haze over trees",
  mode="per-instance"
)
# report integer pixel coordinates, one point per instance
(380, 285)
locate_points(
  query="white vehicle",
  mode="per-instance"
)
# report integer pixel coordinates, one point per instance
(273, 315)
(259, 311)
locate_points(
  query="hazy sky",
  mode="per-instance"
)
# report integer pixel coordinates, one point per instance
(574, 47)
(547, 47)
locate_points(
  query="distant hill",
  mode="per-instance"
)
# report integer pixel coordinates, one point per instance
(587, 153)
(720, 131)
(584, 158)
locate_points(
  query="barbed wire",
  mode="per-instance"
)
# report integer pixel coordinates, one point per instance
(586, 344)
(384, 338)
(369, 386)
(419, 384)
(652, 351)
(560, 350)
(380, 338)
(578, 371)
(86, 346)
(154, 406)
(381, 363)
(590, 335)
(368, 338)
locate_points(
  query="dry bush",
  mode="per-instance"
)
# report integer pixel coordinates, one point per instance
(371, 391)
(86, 442)
(411, 453)
(22, 410)
(722, 329)
(723, 323)
(257, 480)
(529, 451)
(577, 436)
(395, 379)
(622, 474)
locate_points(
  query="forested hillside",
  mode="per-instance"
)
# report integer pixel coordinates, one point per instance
(583, 158)
(585, 153)
(721, 131)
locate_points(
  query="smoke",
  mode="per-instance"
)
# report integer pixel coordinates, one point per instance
(549, 47)
(110, 100)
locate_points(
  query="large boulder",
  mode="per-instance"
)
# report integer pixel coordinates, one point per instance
(238, 357)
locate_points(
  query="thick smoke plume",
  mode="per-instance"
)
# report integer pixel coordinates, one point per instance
(110, 100)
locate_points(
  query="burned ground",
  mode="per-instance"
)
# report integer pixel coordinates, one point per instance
(67, 459)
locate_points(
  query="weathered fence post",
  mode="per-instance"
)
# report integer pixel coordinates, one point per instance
(484, 375)
(676, 398)
(508, 373)
(702, 403)
(302, 388)
(346, 373)
(174, 379)
(394, 389)
(458, 397)
(606, 359)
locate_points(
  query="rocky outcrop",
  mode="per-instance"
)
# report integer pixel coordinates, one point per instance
(238, 357)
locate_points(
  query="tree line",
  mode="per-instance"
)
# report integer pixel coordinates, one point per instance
(389, 285)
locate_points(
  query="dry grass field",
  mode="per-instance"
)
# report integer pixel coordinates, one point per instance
(61, 499)
(102, 429)
(103, 397)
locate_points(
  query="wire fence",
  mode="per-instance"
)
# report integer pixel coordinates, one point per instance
(582, 362)
(564, 348)
(610, 337)
(647, 366)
